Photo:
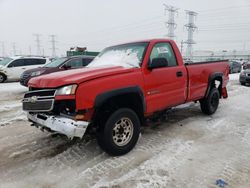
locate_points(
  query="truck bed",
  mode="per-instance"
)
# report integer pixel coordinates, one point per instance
(199, 73)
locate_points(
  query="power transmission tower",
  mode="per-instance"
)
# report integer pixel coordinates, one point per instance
(14, 48)
(38, 45)
(53, 44)
(170, 24)
(191, 27)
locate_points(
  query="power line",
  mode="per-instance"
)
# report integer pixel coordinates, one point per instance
(53, 45)
(191, 27)
(38, 45)
(170, 24)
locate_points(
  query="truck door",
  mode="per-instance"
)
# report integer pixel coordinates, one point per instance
(165, 86)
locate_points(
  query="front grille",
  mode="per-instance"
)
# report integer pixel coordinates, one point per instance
(39, 100)
(38, 106)
(41, 93)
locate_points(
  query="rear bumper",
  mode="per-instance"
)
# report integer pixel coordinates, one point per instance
(59, 124)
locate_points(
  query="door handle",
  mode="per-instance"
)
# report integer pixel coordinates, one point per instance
(179, 74)
(23, 68)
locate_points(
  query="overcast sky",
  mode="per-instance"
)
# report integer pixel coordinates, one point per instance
(222, 24)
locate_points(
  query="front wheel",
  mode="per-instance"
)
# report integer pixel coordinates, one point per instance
(120, 133)
(210, 104)
(2, 78)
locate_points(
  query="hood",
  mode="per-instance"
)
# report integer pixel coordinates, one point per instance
(75, 76)
(247, 71)
(35, 70)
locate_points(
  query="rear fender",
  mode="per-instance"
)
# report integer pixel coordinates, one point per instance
(215, 76)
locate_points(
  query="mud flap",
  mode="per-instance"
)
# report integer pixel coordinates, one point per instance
(224, 93)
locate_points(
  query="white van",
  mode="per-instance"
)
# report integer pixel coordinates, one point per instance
(12, 68)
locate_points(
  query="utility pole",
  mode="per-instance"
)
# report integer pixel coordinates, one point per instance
(3, 49)
(53, 45)
(191, 27)
(14, 48)
(38, 45)
(170, 24)
(30, 50)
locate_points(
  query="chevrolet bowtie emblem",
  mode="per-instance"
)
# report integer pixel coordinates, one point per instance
(33, 99)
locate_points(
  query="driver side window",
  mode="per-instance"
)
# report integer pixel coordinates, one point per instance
(74, 63)
(164, 50)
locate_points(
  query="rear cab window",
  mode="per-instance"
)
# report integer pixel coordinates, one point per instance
(164, 50)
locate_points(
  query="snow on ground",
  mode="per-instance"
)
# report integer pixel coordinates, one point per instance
(234, 76)
(188, 150)
(10, 103)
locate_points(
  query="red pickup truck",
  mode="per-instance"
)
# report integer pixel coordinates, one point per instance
(119, 89)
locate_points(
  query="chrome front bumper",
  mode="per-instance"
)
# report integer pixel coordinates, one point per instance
(59, 124)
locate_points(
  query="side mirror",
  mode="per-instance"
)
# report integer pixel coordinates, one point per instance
(158, 63)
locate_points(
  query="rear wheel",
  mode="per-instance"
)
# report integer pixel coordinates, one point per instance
(210, 104)
(120, 133)
(243, 83)
(2, 78)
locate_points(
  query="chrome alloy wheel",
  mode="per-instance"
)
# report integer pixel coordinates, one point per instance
(123, 131)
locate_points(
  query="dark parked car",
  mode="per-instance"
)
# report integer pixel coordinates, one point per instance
(234, 67)
(246, 66)
(60, 64)
(245, 77)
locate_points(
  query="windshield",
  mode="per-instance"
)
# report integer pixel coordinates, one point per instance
(127, 55)
(5, 61)
(56, 62)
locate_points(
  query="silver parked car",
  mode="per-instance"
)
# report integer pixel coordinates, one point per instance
(245, 77)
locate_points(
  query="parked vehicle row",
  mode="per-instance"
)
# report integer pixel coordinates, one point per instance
(122, 87)
(235, 67)
(24, 68)
(60, 64)
(12, 68)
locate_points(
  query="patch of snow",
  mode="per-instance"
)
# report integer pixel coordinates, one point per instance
(9, 107)
(234, 76)
(124, 58)
(11, 89)
(19, 116)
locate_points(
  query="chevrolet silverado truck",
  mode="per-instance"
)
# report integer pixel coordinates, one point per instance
(122, 87)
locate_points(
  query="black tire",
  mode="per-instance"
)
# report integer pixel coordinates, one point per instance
(2, 77)
(210, 104)
(243, 83)
(123, 122)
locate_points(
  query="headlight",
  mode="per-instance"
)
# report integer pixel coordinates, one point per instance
(37, 73)
(67, 90)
